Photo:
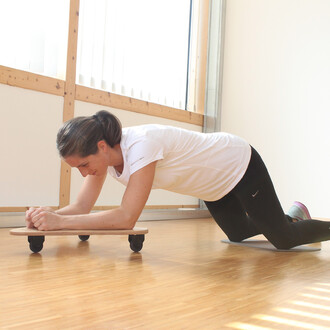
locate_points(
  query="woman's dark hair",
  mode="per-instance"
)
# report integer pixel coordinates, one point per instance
(79, 136)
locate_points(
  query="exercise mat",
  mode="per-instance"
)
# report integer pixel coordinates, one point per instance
(265, 245)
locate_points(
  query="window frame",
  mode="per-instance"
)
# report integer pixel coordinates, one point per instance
(72, 92)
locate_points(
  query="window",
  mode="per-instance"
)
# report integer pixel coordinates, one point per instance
(152, 50)
(135, 48)
(34, 35)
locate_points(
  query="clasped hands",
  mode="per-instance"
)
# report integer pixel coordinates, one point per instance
(42, 218)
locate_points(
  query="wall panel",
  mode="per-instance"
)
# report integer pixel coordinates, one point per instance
(30, 166)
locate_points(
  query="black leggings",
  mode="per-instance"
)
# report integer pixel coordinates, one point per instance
(253, 208)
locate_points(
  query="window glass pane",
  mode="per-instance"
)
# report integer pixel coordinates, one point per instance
(135, 48)
(33, 35)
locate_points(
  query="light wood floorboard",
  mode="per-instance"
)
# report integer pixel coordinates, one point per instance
(184, 278)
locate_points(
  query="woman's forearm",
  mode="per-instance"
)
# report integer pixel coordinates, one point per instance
(73, 209)
(112, 219)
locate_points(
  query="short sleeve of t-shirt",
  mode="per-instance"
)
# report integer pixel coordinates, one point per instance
(142, 153)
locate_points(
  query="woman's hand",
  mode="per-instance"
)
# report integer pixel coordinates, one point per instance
(28, 218)
(42, 218)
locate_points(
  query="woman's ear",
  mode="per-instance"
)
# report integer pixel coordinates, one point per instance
(102, 145)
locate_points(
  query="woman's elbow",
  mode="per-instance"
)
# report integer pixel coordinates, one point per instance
(83, 208)
(130, 221)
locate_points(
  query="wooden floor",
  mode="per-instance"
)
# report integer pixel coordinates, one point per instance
(184, 278)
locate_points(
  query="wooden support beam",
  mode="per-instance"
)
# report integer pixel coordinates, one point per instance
(202, 56)
(69, 95)
(32, 81)
(108, 99)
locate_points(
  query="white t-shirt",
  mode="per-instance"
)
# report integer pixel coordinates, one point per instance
(203, 165)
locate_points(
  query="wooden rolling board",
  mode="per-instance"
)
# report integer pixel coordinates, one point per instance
(66, 232)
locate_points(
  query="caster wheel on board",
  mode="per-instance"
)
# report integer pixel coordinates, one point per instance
(136, 242)
(84, 237)
(36, 243)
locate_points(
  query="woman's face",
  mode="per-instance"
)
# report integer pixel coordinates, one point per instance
(90, 165)
(98, 163)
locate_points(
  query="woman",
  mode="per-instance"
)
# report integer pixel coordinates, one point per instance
(222, 169)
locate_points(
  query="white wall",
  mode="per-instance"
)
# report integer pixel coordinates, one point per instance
(276, 92)
(30, 165)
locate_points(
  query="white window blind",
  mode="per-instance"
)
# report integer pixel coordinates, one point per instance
(135, 48)
(34, 35)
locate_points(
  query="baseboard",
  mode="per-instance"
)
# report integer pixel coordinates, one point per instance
(17, 219)
(174, 214)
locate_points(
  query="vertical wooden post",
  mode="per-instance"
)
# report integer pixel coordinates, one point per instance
(198, 56)
(202, 56)
(69, 94)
